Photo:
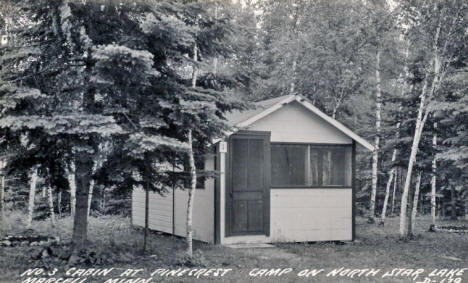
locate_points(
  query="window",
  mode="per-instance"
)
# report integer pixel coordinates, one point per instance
(288, 164)
(302, 165)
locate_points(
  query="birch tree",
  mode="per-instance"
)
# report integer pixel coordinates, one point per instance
(2, 191)
(50, 199)
(394, 190)
(104, 149)
(32, 195)
(431, 20)
(433, 177)
(415, 201)
(192, 168)
(375, 153)
(420, 120)
(91, 190)
(389, 184)
(191, 195)
(59, 204)
(72, 187)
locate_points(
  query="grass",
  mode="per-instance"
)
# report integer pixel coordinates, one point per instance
(115, 243)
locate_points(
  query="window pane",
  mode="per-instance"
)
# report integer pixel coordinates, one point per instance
(314, 178)
(326, 167)
(239, 160)
(288, 165)
(348, 166)
(255, 165)
(309, 165)
(336, 166)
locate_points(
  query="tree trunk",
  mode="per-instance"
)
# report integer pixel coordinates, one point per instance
(59, 204)
(147, 176)
(83, 163)
(215, 59)
(72, 182)
(145, 237)
(453, 214)
(410, 219)
(97, 164)
(2, 192)
(375, 153)
(195, 69)
(193, 173)
(390, 179)
(102, 205)
(337, 105)
(2, 199)
(415, 201)
(51, 205)
(395, 182)
(191, 194)
(32, 195)
(433, 179)
(394, 170)
(412, 160)
(292, 86)
(91, 189)
(420, 121)
(387, 193)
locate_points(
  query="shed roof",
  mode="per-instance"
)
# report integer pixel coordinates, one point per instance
(242, 119)
(236, 117)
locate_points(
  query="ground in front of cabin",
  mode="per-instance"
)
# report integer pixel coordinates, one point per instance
(115, 244)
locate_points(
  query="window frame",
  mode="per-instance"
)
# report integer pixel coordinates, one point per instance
(308, 146)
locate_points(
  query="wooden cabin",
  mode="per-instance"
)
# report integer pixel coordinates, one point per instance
(286, 174)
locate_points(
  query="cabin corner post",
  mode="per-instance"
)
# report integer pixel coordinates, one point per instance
(225, 191)
(221, 197)
(353, 194)
(217, 196)
(131, 210)
(267, 196)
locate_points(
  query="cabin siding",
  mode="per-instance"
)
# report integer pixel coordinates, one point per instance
(299, 215)
(160, 210)
(203, 209)
(295, 123)
(170, 217)
(304, 215)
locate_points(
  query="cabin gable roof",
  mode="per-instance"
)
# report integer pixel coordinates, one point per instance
(239, 120)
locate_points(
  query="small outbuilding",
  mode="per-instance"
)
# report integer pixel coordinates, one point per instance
(286, 173)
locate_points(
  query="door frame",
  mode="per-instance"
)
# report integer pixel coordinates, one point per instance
(265, 135)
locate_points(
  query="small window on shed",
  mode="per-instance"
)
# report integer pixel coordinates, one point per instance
(310, 165)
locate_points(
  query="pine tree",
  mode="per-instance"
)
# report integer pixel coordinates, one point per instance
(166, 104)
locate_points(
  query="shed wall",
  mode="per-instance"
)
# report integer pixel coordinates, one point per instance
(160, 210)
(161, 213)
(299, 215)
(203, 209)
